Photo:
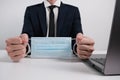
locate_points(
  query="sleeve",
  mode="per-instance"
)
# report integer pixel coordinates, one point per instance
(28, 28)
(76, 28)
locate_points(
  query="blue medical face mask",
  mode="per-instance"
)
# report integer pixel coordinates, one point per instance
(51, 47)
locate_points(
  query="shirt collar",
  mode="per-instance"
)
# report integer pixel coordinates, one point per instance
(47, 4)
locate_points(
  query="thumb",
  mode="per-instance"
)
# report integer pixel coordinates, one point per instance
(79, 37)
(24, 38)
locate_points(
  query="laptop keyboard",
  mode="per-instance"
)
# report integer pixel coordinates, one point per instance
(99, 60)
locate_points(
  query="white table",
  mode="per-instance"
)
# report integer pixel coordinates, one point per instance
(48, 69)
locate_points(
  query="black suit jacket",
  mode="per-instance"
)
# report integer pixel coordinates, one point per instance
(68, 22)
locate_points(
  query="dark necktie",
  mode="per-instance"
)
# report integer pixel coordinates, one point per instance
(51, 22)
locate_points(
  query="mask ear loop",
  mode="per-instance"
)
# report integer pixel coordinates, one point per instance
(29, 49)
(74, 46)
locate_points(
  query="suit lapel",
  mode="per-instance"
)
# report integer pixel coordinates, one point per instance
(61, 15)
(42, 17)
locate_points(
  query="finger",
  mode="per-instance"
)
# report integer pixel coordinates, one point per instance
(86, 41)
(85, 53)
(83, 57)
(24, 38)
(14, 41)
(12, 48)
(17, 53)
(89, 48)
(17, 58)
(79, 37)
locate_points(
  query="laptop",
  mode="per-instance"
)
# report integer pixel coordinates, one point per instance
(110, 64)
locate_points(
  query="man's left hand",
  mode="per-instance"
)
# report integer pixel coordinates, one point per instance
(85, 46)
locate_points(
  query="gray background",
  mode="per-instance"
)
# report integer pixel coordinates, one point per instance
(96, 18)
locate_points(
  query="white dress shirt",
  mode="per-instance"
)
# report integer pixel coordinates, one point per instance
(55, 10)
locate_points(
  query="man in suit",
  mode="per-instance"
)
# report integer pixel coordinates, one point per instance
(65, 22)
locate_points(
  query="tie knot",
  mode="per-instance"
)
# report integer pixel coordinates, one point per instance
(52, 7)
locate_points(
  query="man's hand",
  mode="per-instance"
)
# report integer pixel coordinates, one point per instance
(85, 46)
(16, 47)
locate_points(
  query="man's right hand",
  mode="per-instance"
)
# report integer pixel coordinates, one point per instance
(16, 47)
